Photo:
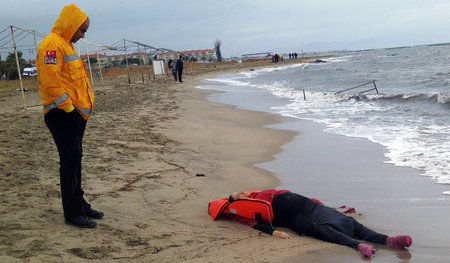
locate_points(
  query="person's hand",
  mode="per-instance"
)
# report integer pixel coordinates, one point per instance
(281, 234)
(70, 109)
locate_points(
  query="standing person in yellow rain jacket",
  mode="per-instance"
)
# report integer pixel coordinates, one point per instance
(68, 101)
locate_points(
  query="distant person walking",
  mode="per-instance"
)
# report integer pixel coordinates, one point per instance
(179, 67)
(68, 100)
(170, 63)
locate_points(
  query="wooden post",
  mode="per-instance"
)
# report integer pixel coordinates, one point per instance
(89, 66)
(140, 64)
(100, 69)
(153, 69)
(36, 45)
(19, 72)
(126, 59)
(35, 42)
(148, 62)
(304, 95)
(168, 69)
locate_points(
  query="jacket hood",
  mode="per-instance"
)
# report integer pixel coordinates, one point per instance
(68, 22)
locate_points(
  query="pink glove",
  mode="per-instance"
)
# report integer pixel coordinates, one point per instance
(399, 242)
(366, 250)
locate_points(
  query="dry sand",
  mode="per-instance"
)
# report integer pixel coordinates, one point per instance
(144, 147)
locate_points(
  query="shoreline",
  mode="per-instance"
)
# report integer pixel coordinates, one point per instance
(143, 151)
(354, 171)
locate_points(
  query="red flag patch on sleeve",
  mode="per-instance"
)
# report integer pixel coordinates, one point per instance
(50, 57)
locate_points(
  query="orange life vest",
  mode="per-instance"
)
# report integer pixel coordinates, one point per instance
(250, 208)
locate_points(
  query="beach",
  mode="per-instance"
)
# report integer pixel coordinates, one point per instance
(156, 153)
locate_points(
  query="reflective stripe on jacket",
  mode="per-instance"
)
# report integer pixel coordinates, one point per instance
(63, 80)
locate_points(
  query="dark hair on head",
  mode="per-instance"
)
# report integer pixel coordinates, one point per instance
(230, 199)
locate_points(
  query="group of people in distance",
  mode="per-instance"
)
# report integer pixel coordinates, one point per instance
(176, 66)
(279, 57)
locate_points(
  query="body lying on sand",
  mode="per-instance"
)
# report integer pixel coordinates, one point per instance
(310, 217)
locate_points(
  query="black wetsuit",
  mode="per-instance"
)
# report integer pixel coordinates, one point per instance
(313, 219)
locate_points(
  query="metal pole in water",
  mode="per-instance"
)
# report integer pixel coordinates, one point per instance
(375, 86)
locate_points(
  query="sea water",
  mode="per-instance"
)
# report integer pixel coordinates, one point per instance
(408, 113)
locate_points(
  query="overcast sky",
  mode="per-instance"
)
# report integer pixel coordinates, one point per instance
(248, 26)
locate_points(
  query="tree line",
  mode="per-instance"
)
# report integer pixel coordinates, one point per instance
(8, 67)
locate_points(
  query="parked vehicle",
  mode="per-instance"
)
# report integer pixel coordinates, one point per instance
(29, 71)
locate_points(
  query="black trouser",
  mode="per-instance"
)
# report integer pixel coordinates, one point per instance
(67, 130)
(310, 218)
(356, 230)
(180, 71)
(174, 73)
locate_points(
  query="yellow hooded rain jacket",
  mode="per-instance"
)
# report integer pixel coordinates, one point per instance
(63, 80)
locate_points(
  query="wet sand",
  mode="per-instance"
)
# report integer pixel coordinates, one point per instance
(389, 199)
(340, 170)
(155, 154)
